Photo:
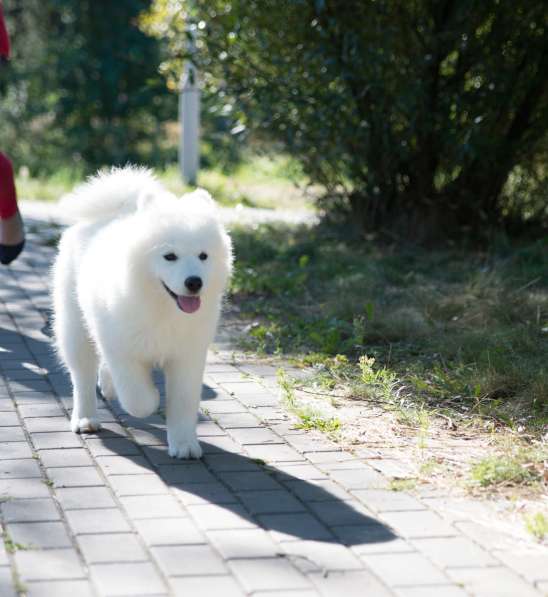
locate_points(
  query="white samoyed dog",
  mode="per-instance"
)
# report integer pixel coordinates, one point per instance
(138, 283)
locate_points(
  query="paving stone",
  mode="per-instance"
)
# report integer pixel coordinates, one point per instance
(455, 551)
(19, 469)
(488, 537)
(39, 534)
(219, 406)
(291, 527)
(99, 520)
(41, 410)
(169, 531)
(203, 493)
(122, 547)
(23, 488)
(35, 398)
(208, 429)
(399, 569)
(9, 419)
(349, 584)
(12, 434)
(499, 582)
(362, 478)
(417, 524)
(108, 430)
(530, 563)
(256, 435)
(194, 472)
(149, 437)
(270, 502)
(51, 564)
(395, 469)
(211, 517)
(433, 591)
(127, 579)
(188, 560)
(58, 439)
(112, 447)
(221, 444)
(337, 512)
(69, 457)
(151, 506)
(77, 498)
(384, 500)
(60, 588)
(267, 574)
(243, 543)
(6, 404)
(321, 556)
(75, 476)
(294, 472)
(237, 420)
(33, 510)
(275, 453)
(137, 485)
(224, 586)
(317, 491)
(371, 538)
(230, 463)
(46, 424)
(249, 481)
(158, 455)
(330, 457)
(124, 465)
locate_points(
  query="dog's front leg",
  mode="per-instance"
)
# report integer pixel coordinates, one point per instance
(183, 392)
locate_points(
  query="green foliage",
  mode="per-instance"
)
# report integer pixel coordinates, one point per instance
(537, 525)
(408, 113)
(506, 470)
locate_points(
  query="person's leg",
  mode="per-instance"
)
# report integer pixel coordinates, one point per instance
(12, 236)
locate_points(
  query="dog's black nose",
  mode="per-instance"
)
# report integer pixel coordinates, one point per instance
(193, 283)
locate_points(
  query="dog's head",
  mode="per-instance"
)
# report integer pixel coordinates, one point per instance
(187, 253)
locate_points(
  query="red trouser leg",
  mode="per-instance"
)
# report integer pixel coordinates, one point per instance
(8, 195)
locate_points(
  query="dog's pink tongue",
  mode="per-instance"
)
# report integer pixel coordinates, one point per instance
(188, 304)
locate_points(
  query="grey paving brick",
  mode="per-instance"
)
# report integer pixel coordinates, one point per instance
(38, 385)
(51, 564)
(12, 434)
(158, 455)
(58, 439)
(124, 465)
(417, 524)
(75, 476)
(9, 419)
(33, 510)
(7, 587)
(362, 478)
(230, 463)
(224, 586)
(267, 574)
(169, 531)
(371, 538)
(149, 437)
(321, 556)
(127, 579)
(236, 420)
(337, 512)
(275, 453)
(220, 444)
(19, 469)
(39, 534)
(205, 429)
(203, 493)
(108, 430)
(112, 447)
(393, 468)
(151, 506)
(488, 537)
(384, 500)
(77, 498)
(35, 398)
(400, 569)
(496, 581)
(46, 424)
(294, 472)
(211, 517)
(291, 527)
(6, 404)
(220, 406)
(69, 457)
(529, 563)
(23, 488)
(194, 472)
(60, 588)
(249, 481)
(111, 548)
(318, 491)
(433, 591)
(455, 551)
(188, 560)
(255, 435)
(137, 485)
(270, 502)
(41, 410)
(349, 584)
(99, 520)
(243, 543)
(330, 457)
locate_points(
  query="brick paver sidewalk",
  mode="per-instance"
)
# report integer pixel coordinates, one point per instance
(269, 510)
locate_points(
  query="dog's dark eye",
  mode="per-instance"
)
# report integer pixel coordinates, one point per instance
(202, 256)
(170, 257)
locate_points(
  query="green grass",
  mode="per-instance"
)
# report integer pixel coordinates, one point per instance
(521, 467)
(261, 181)
(454, 331)
(537, 525)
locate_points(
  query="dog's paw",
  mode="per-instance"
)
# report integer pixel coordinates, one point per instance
(187, 448)
(106, 387)
(85, 424)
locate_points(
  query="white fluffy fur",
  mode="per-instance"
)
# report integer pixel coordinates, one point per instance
(113, 316)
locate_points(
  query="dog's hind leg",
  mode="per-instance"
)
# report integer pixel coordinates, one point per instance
(105, 382)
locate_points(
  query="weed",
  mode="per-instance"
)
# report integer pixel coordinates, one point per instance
(509, 469)
(11, 545)
(537, 525)
(402, 484)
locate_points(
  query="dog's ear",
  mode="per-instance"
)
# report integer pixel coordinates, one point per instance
(200, 196)
(145, 199)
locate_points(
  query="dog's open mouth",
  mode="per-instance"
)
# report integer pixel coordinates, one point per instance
(188, 304)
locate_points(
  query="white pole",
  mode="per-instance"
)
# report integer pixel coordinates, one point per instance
(189, 117)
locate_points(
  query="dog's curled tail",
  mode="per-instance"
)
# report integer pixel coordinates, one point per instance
(109, 193)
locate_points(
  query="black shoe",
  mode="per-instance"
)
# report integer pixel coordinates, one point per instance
(10, 252)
